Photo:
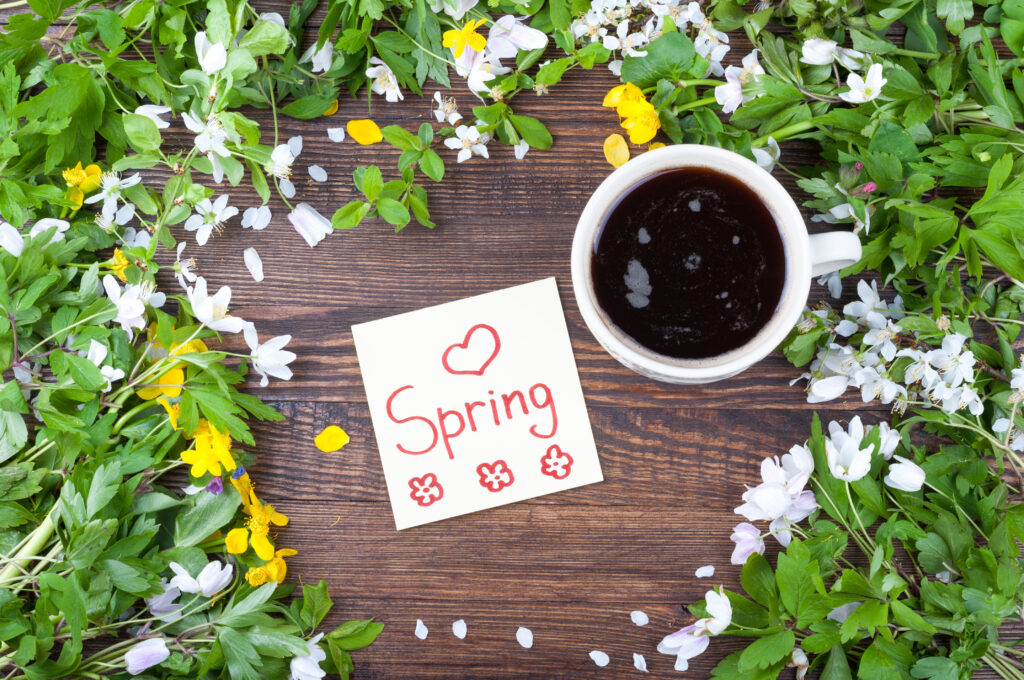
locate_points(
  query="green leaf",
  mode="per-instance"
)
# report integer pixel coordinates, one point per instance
(955, 12)
(49, 9)
(935, 667)
(400, 137)
(315, 604)
(104, 485)
(240, 655)
(532, 130)
(432, 165)
(372, 183)
(365, 633)
(393, 212)
(758, 580)
(350, 214)
(266, 37)
(766, 651)
(210, 513)
(310, 106)
(142, 132)
(671, 56)
(836, 666)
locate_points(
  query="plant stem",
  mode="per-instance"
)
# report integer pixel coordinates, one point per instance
(40, 536)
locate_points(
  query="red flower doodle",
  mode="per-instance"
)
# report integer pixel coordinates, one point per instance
(556, 463)
(426, 490)
(496, 476)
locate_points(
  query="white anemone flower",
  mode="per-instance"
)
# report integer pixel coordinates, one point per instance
(210, 216)
(146, 654)
(846, 459)
(905, 475)
(165, 605)
(153, 112)
(456, 9)
(11, 239)
(322, 58)
(97, 354)
(509, 34)
(307, 666)
(954, 363)
(864, 89)
(212, 310)
(212, 579)
(131, 307)
(136, 238)
(468, 141)
(212, 56)
(46, 223)
(269, 359)
(625, 41)
(731, 95)
(692, 640)
(881, 334)
(311, 225)
(766, 157)
(383, 80)
(821, 52)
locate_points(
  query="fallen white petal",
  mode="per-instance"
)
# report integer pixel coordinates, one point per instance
(600, 658)
(336, 134)
(421, 630)
(525, 637)
(253, 263)
(707, 571)
(317, 173)
(287, 188)
(639, 618)
(295, 145)
(459, 629)
(639, 662)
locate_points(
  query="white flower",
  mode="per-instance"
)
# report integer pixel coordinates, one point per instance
(888, 440)
(212, 56)
(831, 281)
(111, 186)
(870, 301)
(693, 640)
(131, 308)
(864, 89)
(881, 333)
(1016, 377)
(456, 9)
(767, 157)
(274, 18)
(846, 459)
(322, 58)
(384, 80)
(955, 364)
(781, 497)
(210, 216)
(468, 141)
(446, 110)
(478, 68)
(256, 218)
(337, 134)
(508, 35)
(212, 579)
(748, 541)
(153, 112)
(146, 654)
(730, 95)
(956, 398)
(164, 605)
(821, 52)
(281, 159)
(132, 238)
(210, 139)
(311, 225)
(520, 149)
(183, 268)
(710, 43)
(590, 25)
(46, 223)
(1016, 440)
(97, 354)
(905, 475)
(269, 358)
(11, 239)
(875, 384)
(920, 371)
(307, 667)
(212, 310)
(625, 41)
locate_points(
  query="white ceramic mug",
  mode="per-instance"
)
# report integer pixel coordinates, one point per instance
(806, 256)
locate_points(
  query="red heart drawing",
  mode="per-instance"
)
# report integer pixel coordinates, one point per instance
(464, 345)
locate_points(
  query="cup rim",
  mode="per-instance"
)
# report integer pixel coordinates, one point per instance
(796, 248)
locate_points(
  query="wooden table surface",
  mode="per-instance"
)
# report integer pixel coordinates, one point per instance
(571, 566)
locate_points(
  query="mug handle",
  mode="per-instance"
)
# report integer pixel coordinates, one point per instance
(834, 250)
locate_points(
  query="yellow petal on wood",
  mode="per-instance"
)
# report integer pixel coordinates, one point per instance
(331, 439)
(615, 150)
(365, 132)
(332, 109)
(656, 145)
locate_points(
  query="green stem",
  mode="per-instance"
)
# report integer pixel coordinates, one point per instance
(787, 131)
(694, 104)
(40, 537)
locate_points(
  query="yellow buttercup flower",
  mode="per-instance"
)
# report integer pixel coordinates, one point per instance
(173, 411)
(257, 527)
(120, 264)
(168, 384)
(467, 35)
(242, 483)
(331, 439)
(641, 120)
(332, 109)
(365, 132)
(82, 181)
(275, 570)
(615, 150)
(622, 93)
(213, 450)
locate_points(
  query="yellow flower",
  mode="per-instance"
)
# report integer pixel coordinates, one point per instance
(168, 384)
(640, 120)
(615, 150)
(213, 449)
(82, 181)
(655, 145)
(365, 132)
(467, 35)
(331, 439)
(622, 93)
(332, 109)
(274, 570)
(260, 518)
(120, 264)
(242, 483)
(173, 411)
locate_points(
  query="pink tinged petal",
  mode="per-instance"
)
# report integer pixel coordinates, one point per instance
(253, 263)
(421, 630)
(524, 636)
(639, 618)
(459, 629)
(707, 571)
(146, 654)
(599, 658)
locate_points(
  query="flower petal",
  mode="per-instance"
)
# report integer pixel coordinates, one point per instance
(599, 658)
(331, 439)
(421, 630)
(615, 150)
(365, 132)
(524, 636)
(317, 173)
(253, 263)
(639, 618)
(459, 629)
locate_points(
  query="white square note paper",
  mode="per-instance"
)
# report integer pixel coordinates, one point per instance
(476, 403)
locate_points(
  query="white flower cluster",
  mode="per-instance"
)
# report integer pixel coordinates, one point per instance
(942, 376)
(627, 26)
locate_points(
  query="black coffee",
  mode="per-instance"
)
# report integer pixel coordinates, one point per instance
(689, 263)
